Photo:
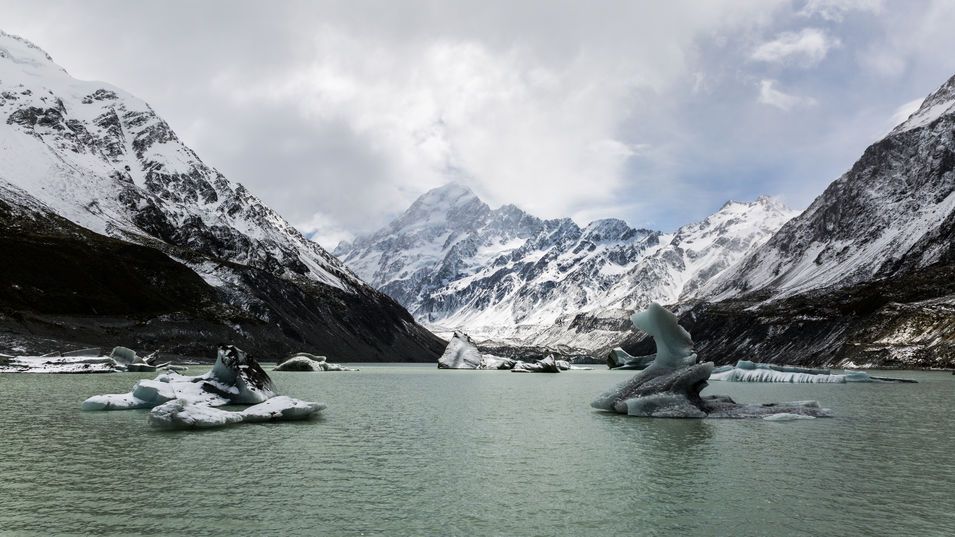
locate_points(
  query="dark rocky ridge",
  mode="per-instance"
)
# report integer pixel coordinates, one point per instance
(879, 244)
(70, 287)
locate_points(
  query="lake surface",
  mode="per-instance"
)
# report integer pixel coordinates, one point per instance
(411, 450)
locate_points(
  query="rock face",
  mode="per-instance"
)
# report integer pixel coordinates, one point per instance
(131, 227)
(507, 276)
(864, 277)
(670, 387)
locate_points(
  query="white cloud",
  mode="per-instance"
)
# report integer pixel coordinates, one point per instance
(903, 112)
(807, 47)
(768, 94)
(324, 230)
(836, 10)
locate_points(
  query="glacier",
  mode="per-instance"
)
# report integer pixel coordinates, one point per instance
(670, 386)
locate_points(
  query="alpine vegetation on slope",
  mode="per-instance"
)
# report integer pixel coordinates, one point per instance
(865, 276)
(104, 160)
(505, 275)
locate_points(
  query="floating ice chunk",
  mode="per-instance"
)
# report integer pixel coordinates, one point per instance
(182, 414)
(235, 378)
(489, 361)
(621, 359)
(670, 386)
(674, 344)
(124, 355)
(309, 362)
(461, 353)
(747, 371)
(58, 364)
(787, 416)
(547, 365)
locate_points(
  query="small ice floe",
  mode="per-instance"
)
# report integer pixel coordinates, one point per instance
(670, 386)
(547, 365)
(304, 361)
(178, 401)
(787, 416)
(747, 371)
(79, 361)
(621, 359)
(182, 414)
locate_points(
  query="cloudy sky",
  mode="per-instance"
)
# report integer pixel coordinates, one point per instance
(339, 114)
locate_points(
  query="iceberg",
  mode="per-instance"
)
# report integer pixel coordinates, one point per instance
(747, 371)
(621, 359)
(461, 353)
(182, 414)
(670, 386)
(304, 361)
(547, 365)
(235, 378)
(58, 364)
(180, 402)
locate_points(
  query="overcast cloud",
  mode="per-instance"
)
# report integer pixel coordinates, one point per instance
(339, 114)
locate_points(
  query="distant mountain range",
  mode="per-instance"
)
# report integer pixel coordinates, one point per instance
(864, 276)
(115, 232)
(511, 278)
(152, 247)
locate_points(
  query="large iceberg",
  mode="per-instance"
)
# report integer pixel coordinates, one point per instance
(304, 361)
(670, 386)
(235, 379)
(181, 402)
(462, 353)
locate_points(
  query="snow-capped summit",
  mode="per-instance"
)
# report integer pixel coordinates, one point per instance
(506, 275)
(104, 160)
(940, 102)
(894, 210)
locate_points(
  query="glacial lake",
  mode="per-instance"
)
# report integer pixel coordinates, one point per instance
(411, 450)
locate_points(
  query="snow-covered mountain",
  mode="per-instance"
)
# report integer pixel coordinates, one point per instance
(892, 211)
(504, 275)
(865, 276)
(104, 160)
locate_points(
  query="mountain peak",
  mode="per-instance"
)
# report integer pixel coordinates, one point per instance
(938, 103)
(23, 52)
(447, 203)
(451, 192)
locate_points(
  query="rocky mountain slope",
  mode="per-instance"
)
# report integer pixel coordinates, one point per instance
(506, 276)
(84, 157)
(865, 275)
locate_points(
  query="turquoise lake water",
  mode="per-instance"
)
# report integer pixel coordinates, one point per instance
(411, 450)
